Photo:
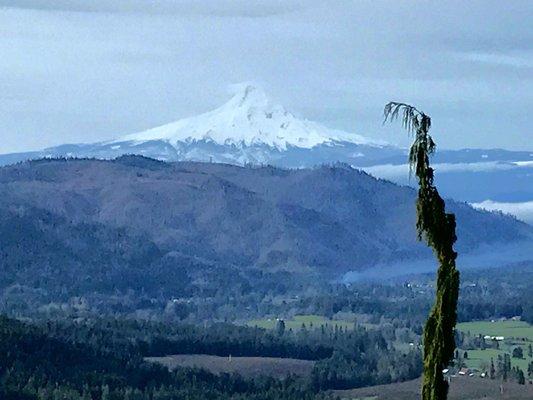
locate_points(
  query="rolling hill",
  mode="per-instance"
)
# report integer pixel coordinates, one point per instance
(137, 223)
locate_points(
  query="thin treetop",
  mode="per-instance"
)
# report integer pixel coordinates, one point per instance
(437, 228)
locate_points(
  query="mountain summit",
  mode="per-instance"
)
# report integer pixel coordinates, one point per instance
(249, 118)
(248, 129)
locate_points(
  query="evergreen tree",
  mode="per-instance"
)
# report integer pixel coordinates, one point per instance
(521, 378)
(438, 229)
(280, 327)
(507, 361)
(518, 352)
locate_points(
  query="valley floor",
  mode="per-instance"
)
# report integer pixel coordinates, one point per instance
(461, 388)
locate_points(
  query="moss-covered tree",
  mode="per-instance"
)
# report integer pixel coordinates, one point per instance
(437, 228)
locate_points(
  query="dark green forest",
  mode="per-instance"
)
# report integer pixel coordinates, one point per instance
(104, 359)
(76, 354)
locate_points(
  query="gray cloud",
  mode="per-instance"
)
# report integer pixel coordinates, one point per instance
(524, 60)
(78, 71)
(223, 8)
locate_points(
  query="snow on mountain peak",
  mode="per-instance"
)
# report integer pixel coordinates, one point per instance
(249, 118)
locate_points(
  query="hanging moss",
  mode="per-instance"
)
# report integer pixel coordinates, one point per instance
(437, 228)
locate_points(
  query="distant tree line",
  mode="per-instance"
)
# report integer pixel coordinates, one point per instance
(36, 366)
(102, 359)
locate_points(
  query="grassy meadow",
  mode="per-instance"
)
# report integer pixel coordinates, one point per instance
(507, 329)
(249, 367)
(515, 333)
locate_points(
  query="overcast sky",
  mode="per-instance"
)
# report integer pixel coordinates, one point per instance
(84, 71)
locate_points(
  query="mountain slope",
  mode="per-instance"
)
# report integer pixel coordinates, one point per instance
(326, 220)
(139, 236)
(252, 129)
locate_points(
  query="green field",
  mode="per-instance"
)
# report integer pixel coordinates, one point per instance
(296, 323)
(507, 329)
(479, 358)
(515, 333)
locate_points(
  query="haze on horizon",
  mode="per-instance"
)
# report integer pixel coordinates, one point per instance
(76, 71)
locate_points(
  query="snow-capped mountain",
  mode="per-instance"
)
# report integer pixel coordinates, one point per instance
(249, 118)
(251, 129)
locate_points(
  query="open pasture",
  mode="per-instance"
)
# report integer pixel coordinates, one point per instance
(519, 330)
(249, 367)
(515, 333)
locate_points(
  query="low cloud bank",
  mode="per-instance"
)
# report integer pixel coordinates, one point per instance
(522, 211)
(401, 171)
(487, 256)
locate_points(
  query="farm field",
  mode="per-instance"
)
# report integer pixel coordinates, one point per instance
(246, 366)
(515, 333)
(480, 359)
(298, 320)
(462, 388)
(507, 329)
